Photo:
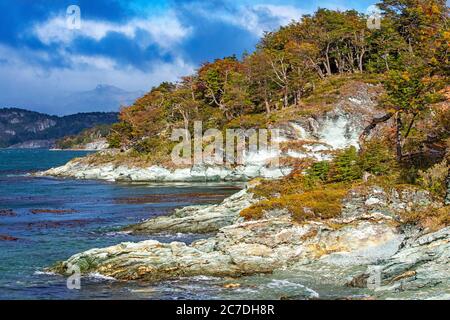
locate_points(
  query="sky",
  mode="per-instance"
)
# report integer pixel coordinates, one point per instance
(131, 44)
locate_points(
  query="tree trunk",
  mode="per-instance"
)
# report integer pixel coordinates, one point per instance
(267, 106)
(410, 47)
(286, 97)
(327, 61)
(447, 194)
(317, 67)
(373, 124)
(228, 115)
(186, 123)
(320, 72)
(386, 62)
(361, 61)
(398, 138)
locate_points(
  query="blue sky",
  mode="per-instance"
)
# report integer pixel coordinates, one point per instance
(133, 45)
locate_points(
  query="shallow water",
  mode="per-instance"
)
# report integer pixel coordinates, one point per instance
(53, 219)
(56, 218)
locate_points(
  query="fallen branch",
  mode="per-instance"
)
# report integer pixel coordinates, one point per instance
(373, 124)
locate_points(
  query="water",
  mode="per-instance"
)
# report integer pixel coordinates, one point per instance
(91, 215)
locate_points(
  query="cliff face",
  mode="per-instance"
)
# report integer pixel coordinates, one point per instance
(27, 129)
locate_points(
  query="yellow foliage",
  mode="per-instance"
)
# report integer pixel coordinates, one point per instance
(321, 203)
(432, 219)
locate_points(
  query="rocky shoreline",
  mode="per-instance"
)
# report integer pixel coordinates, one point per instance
(368, 233)
(368, 246)
(79, 169)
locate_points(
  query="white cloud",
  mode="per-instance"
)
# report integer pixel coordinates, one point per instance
(284, 14)
(165, 30)
(266, 17)
(255, 18)
(47, 85)
(99, 63)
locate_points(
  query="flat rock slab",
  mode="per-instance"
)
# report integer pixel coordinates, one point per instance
(198, 219)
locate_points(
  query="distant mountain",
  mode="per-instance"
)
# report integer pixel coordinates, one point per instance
(23, 128)
(103, 97)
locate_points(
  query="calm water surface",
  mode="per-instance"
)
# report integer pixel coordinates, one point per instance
(93, 213)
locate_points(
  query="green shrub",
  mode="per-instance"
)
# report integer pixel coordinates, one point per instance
(318, 172)
(434, 178)
(249, 121)
(345, 166)
(120, 134)
(377, 158)
(114, 140)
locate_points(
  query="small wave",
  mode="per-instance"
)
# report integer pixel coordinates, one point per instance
(16, 175)
(286, 283)
(46, 273)
(143, 290)
(117, 233)
(175, 235)
(98, 276)
(245, 290)
(204, 278)
(183, 235)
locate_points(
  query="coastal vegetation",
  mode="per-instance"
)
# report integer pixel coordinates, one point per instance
(302, 70)
(293, 66)
(84, 137)
(318, 192)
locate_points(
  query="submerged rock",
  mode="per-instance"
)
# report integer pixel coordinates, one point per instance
(7, 213)
(53, 211)
(5, 237)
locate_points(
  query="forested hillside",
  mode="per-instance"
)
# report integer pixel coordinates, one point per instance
(301, 68)
(19, 125)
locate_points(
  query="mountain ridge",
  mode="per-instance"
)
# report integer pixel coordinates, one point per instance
(19, 126)
(105, 98)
